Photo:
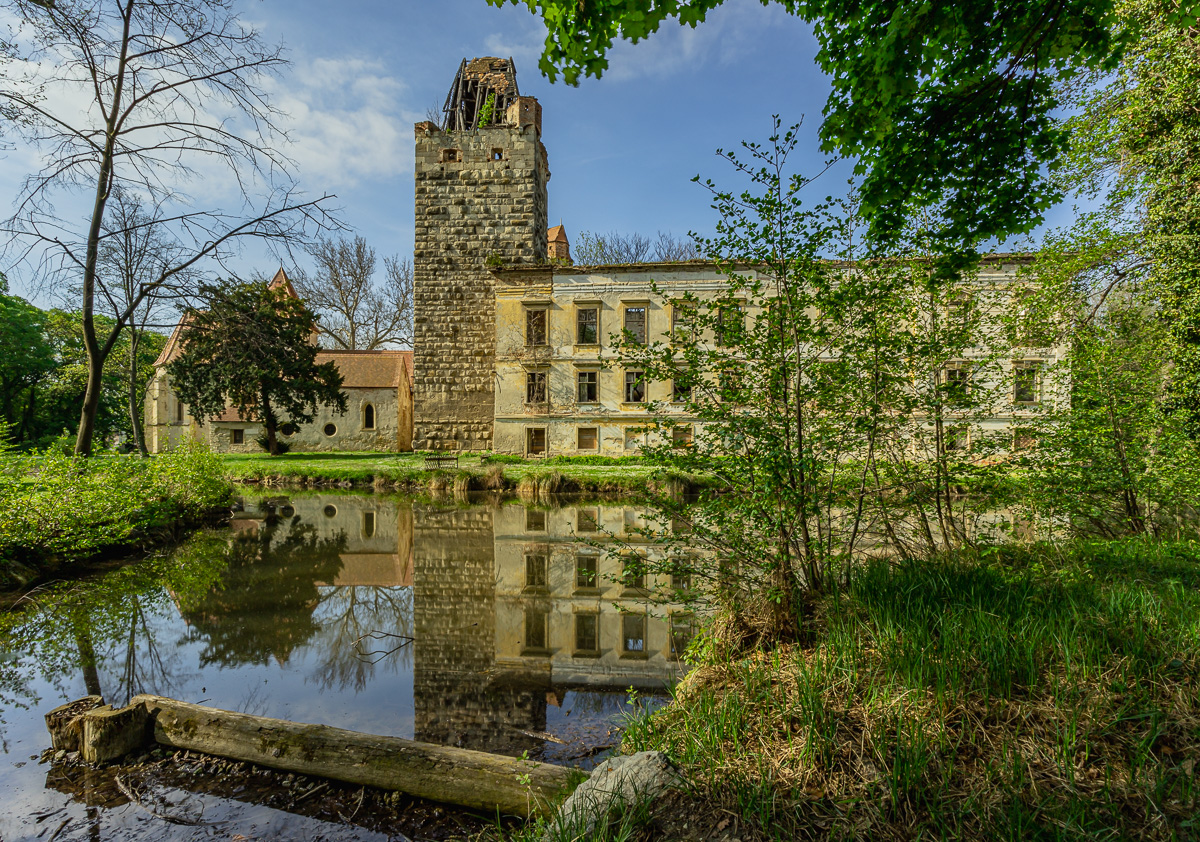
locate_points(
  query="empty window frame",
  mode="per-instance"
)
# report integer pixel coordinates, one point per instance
(535, 387)
(497, 154)
(536, 319)
(731, 324)
(587, 571)
(635, 324)
(635, 387)
(681, 436)
(1023, 438)
(368, 417)
(535, 440)
(633, 572)
(536, 637)
(587, 520)
(1026, 382)
(237, 436)
(451, 156)
(588, 386)
(681, 388)
(956, 383)
(588, 438)
(587, 634)
(683, 322)
(956, 439)
(535, 571)
(682, 629)
(368, 524)
(633, 634)
(535, 520)
(587, 326)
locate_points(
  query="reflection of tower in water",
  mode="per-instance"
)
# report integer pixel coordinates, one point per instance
(456, 695)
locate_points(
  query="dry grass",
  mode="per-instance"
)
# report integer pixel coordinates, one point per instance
(1030, 698)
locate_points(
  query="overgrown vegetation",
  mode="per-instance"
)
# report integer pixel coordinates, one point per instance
(1025, 692)
(57, 509)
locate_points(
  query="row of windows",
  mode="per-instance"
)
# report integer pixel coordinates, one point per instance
(455, 156)
(587, 634)
(587, 574)
(588, 438)
(634, 321)
(238, 436)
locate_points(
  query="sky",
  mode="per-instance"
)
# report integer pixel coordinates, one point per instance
(622, 149)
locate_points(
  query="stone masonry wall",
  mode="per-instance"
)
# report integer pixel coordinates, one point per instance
(480, 203)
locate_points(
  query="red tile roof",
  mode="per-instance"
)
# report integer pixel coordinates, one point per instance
(556, 234)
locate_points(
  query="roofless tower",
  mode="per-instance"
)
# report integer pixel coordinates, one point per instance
(480, 202)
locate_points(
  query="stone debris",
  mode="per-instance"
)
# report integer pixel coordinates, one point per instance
(615, 785)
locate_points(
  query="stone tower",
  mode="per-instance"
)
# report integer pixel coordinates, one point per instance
(480, 203)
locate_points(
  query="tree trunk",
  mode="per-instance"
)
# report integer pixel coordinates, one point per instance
(91, 398)
(135, 411)
(269, 423)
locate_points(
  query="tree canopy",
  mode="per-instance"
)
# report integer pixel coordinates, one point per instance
(945, 104)
(251, 349)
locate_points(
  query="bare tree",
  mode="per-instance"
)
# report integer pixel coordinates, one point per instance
(166, 86)
(355, 312)
(591, 249)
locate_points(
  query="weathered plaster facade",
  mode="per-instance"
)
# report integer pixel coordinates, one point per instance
(480, 202)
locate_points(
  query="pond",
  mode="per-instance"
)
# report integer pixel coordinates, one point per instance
(487, 626)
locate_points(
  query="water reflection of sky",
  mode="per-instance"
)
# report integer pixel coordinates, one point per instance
(305, 610)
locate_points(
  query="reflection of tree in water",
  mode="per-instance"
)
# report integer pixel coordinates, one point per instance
(106, 630)
(368, 615)
(263, 606)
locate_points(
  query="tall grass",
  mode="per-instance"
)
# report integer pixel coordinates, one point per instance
(1031, 692)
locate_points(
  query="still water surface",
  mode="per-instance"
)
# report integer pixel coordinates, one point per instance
(486, 626)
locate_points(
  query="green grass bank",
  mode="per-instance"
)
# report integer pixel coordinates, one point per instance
(57, 510)
(474, 472)
(1027, 692)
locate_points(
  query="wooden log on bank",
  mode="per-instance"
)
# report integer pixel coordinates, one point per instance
(472, 779)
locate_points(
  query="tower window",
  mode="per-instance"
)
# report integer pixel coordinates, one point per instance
(451, 156)
(368, 417)
(497, 154)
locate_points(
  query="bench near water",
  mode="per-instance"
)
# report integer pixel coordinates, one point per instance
(474, 779)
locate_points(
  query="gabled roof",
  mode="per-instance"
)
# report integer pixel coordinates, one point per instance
(556, 234)
(368, 369)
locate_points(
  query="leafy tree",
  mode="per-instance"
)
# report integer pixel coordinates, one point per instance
(944, 104)
(131, 96)
(356, 312)
(251, 349)
(26, 359)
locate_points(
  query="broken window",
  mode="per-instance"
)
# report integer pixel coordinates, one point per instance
(535, 571)
(681, 388)
(587, 520)
(955, 439)
(588, 325)
(535, 326)
(1025, 384)
(635, 325)
(682, 631)
(535, 387)
(535, 440)
(587, 633)
(451, 156)
(589, 386)
(633, 634)
(955, 384)
(683, 321)
(635, 387)
(536, 639)
(682, 436)
(731, 324)
(589, 438)
(587, 571)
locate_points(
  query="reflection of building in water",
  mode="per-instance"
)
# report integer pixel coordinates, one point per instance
(578, 613)
(509, 612)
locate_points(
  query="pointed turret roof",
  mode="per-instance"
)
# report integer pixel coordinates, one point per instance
(281, 281)
(557, 234)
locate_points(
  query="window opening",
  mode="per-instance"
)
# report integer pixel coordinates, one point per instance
(635, 325)
(330, 430)
(535, 520)
(535, 387)
(682, 436)
(589, 386)
(587, 571)
(368, 527)
(633, 633)
(535, 327)
(535, 629)
(635, 387)
(535, 571)
(589, 438)
(497, 154)
(588, 326)
(1025, 384)
(536, 440)
(368, 417)
(587, 520)
(239, 436)
(587, 633)
(451, 156)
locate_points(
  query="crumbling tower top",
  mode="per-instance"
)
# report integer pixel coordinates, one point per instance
(481, 94)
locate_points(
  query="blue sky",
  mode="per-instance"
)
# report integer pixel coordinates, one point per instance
(622, 149)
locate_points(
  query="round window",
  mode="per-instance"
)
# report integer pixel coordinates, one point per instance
(331, 511)
(287, 511)
(330, 430)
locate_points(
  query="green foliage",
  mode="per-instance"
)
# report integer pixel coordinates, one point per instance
(1037, 690)
(488, 111)
(251, 349)
(60, 508)
(944, 104)
(26, 360)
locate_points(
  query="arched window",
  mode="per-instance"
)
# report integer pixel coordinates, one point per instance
(368, 417)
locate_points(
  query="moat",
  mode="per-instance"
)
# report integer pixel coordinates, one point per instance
(492, 625)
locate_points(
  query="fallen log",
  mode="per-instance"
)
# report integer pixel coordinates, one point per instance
(468, 778)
